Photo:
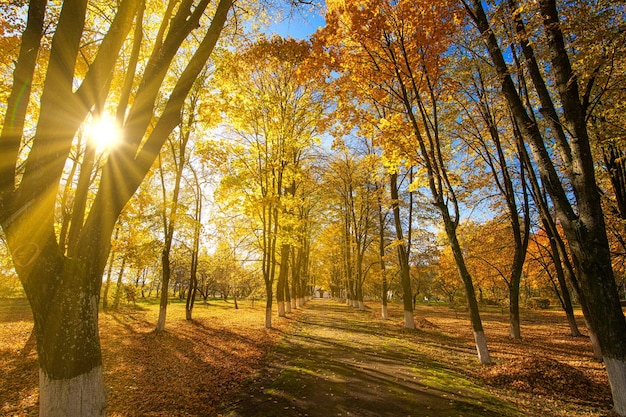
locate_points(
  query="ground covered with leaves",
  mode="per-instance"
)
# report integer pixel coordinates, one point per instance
(225, 361)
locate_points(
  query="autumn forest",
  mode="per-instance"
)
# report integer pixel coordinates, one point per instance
(461, 155)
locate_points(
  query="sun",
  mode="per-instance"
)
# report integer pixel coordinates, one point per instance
(104, 133)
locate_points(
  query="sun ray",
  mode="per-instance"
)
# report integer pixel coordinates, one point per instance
(105, 133)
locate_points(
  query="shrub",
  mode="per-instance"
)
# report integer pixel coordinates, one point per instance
(539, 302)
(131, 293)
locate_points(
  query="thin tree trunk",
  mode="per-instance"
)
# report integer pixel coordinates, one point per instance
(119, 285)
(403, 256)
(165, 290)
(107, 283)
(560, 274)
(282, 277)
(470, 295)
(381, 256)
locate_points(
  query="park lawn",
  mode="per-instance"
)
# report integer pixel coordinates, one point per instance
(198, 368)
(188, 370)
(547, 373)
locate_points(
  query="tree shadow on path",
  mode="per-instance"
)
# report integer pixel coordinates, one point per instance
(337, 361)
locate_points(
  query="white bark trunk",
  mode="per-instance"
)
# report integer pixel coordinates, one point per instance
(268, 317)
(82, 396)
(384, 313)
(616, 369)
(294, 303)
(300, 301)
(161, 321)
(481, 348)
(287, 307)
(361, 305)
(281, 308)
(409, 322)
(595, 344)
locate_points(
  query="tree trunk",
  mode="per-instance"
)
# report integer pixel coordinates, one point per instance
(514, 321)
(287, 292)
(268, 303)
(381, 255)
(119, 285)
(282, 277)
(403, 256)
(583, 223)
(193, 286)
(165, 293)
(560, 275)
(70, 361)
(65, 318)
(82, 395)
(470, 294)
(107, 283)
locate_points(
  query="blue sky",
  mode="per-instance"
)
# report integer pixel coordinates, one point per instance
(299, 24)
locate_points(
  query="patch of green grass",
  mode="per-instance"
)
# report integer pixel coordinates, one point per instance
(458, 386)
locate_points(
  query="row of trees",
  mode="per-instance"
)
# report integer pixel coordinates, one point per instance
(437, 111)
(453, 95)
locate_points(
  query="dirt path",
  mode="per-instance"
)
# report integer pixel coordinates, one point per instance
(336, 361)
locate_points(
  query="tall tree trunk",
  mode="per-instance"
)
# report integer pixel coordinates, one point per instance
(566, 300)
(268, 305)
(282, 277)
(68, 343)
(348, 267)
(470, 294)
(165, 290)
(107, 283)
(195, 253)
(287, 289)
(193, 286)
(119, 285)
(403, 256)
(583, 224)
(381, 257)
(169, 221)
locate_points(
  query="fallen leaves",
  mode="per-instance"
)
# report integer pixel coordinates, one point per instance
(547, 377)
(194, 367)
(187, 370)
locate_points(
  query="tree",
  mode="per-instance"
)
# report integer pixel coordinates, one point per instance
(348, 183)
(497, 146)
(273, 109)
(176, 159)
(546, 254)
(395, 51)
(195, 249)
(63, 290)
(564, 109)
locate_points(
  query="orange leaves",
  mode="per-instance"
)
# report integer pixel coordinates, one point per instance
(382, 57)
(387, 38)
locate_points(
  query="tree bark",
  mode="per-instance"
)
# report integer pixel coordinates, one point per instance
(282, 277)
(583, 223)
(470, 294)
(403, 256)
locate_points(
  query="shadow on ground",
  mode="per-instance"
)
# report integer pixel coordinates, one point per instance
(336, 361)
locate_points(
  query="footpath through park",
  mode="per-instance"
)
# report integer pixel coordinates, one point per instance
(334, 360)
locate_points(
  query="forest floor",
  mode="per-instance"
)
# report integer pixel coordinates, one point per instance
(323, 360)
